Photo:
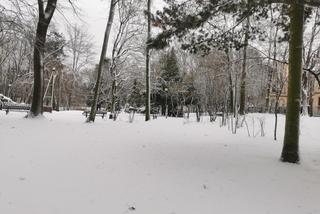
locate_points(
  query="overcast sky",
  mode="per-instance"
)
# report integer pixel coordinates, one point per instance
(94, 16)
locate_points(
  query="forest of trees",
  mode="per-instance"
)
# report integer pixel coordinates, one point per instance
(204, 57)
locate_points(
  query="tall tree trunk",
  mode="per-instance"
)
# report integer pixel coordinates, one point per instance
(113, 98)
(148, 98)
(59, 91)
(304, 94)
(92, 115)
(290, 151)
(45, 16)
(276, 119)
(230, 104)
(244, 70)
(270, 70)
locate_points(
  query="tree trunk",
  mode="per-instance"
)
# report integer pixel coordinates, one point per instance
(92, 115)
(269, 84)
(270, 70)
(113, 99)
(244, 71)
(148, 98)
(59, 91)
(45, 16)
(311, 89)
(305, 84)
(230, 104)
(275, 121)
(276, 108)
(290, 151)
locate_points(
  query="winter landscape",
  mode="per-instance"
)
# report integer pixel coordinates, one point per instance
(159, 106)
(165, 166)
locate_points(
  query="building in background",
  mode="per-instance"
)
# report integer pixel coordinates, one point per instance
(280, 91)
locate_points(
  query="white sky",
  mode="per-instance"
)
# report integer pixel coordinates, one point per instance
(94, 15)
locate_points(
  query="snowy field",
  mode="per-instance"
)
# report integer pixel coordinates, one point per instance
(61, 165)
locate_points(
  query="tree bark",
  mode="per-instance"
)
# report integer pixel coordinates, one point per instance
(230, 103)
(45, 16)
(305, 84)
(290, 151)
(148, 98)
(244, 71)
(113, 99)
(59, 91)
(93, 111)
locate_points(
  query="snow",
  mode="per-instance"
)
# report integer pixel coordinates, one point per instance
(166, 166)
(6, 99)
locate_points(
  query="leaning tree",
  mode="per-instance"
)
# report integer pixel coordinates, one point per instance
(102, 60)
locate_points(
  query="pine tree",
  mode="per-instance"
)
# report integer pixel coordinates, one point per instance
(170, 68)
(136, 97)
(171, 82)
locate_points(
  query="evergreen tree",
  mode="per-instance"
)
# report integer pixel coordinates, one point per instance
(170, 67)
(136, 98)
(169, 95)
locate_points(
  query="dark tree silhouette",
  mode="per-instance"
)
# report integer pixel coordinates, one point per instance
(45, 16)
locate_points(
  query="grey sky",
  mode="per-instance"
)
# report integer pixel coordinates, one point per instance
(94, 16)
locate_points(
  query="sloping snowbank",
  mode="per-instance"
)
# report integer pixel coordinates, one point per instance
(61, 165)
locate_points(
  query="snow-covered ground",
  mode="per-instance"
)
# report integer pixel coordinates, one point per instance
(61, 165)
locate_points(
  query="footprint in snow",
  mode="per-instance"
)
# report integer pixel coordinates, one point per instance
(132, 208)
(22, 178)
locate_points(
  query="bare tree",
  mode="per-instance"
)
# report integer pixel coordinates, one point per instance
(79, 48)
(309, 63)
(45, 16)
(280, 80)
(125, 46)
(80, 52)
(272, 40)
